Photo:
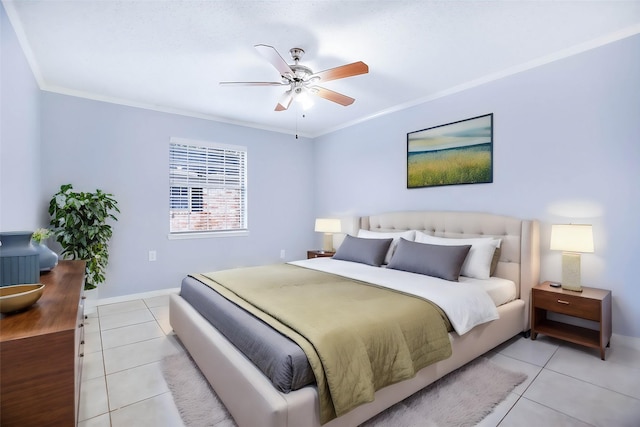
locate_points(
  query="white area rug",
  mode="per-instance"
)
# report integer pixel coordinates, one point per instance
(462, 398)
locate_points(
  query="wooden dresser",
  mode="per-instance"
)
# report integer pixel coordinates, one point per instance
(41, 353)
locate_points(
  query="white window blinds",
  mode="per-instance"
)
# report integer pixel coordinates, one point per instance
(207, 187)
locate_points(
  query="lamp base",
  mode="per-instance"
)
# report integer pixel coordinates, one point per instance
(571, 271)
(327, 242)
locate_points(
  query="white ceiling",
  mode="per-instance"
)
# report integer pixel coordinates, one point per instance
(171, 55)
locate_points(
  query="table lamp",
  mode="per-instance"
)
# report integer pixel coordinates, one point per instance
(571, 239)
(328, 226)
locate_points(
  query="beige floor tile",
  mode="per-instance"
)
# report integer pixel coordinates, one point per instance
(584, 401)
(93, 398)
(92, 342)
(624, 353)
(103, 420)
(159, 411)
(536, 352)
(516, 365)
(131, 334)
(128, 318)
(92, 366)
(134, 385)
(587, 366)
(161, 315)
(91, 325)
(526, 413)
(137, 354)
(121, 307)
(159, 301)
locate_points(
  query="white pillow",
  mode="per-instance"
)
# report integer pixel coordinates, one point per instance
(395, 235)
(478, 262)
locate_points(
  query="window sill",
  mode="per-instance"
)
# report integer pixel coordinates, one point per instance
(207, 234)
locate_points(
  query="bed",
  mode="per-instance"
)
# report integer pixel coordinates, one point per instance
(253, 400)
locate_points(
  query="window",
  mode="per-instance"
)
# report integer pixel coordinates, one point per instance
(207, 187)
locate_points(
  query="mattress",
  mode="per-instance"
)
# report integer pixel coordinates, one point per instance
(501, 291)
(278, 357)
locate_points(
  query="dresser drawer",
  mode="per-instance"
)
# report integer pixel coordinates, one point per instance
(571, 305)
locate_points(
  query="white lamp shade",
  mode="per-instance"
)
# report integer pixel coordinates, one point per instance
(328, 225)
(572, 237)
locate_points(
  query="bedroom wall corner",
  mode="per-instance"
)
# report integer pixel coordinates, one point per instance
(19, 136)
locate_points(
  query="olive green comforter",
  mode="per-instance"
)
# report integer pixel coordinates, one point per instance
(358, 337)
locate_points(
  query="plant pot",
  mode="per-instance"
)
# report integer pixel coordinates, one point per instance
(48, 258)
(19, 260)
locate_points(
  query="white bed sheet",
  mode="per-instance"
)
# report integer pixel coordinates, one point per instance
(465, 303)
(500, 290)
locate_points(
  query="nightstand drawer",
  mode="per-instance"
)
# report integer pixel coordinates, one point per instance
(571, 305)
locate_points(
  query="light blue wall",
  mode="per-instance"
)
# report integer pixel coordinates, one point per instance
(566, 149)
(19, 135)
(125, 151)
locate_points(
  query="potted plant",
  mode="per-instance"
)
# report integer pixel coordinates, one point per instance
(47, 258)
(79, 221)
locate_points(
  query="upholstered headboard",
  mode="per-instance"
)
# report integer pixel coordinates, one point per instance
(520, 250)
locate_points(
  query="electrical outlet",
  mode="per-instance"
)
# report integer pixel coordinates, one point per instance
(282, 254)
(152, 255)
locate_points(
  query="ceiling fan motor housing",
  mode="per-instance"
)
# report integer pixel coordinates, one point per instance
(300, 72)
(296, 53)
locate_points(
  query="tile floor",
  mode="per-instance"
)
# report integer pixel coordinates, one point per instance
(122, 384)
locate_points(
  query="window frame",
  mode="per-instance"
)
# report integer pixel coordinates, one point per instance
(186, 190)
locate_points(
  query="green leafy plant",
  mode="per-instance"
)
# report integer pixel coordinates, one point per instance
(41, 234)
(79, 222)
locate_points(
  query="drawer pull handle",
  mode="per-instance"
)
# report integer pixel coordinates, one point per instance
(563, 302)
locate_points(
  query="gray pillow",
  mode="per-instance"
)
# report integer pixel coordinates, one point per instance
(365, 251)
(444, 262)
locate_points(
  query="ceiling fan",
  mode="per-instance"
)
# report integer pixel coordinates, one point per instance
(301, 80)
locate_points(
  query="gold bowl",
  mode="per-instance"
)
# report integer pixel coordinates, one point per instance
(19, 297)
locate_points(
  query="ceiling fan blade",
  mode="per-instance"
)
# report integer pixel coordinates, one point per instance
(285, 101)
(253, 84)
(343, 71)
(332, 96)
(272, 55)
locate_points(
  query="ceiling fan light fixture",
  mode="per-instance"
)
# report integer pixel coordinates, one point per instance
(303, 98)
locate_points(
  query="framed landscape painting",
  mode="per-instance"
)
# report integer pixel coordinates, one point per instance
(455, 153)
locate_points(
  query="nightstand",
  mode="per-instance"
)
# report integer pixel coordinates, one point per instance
(590, 304)
(320, 254)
